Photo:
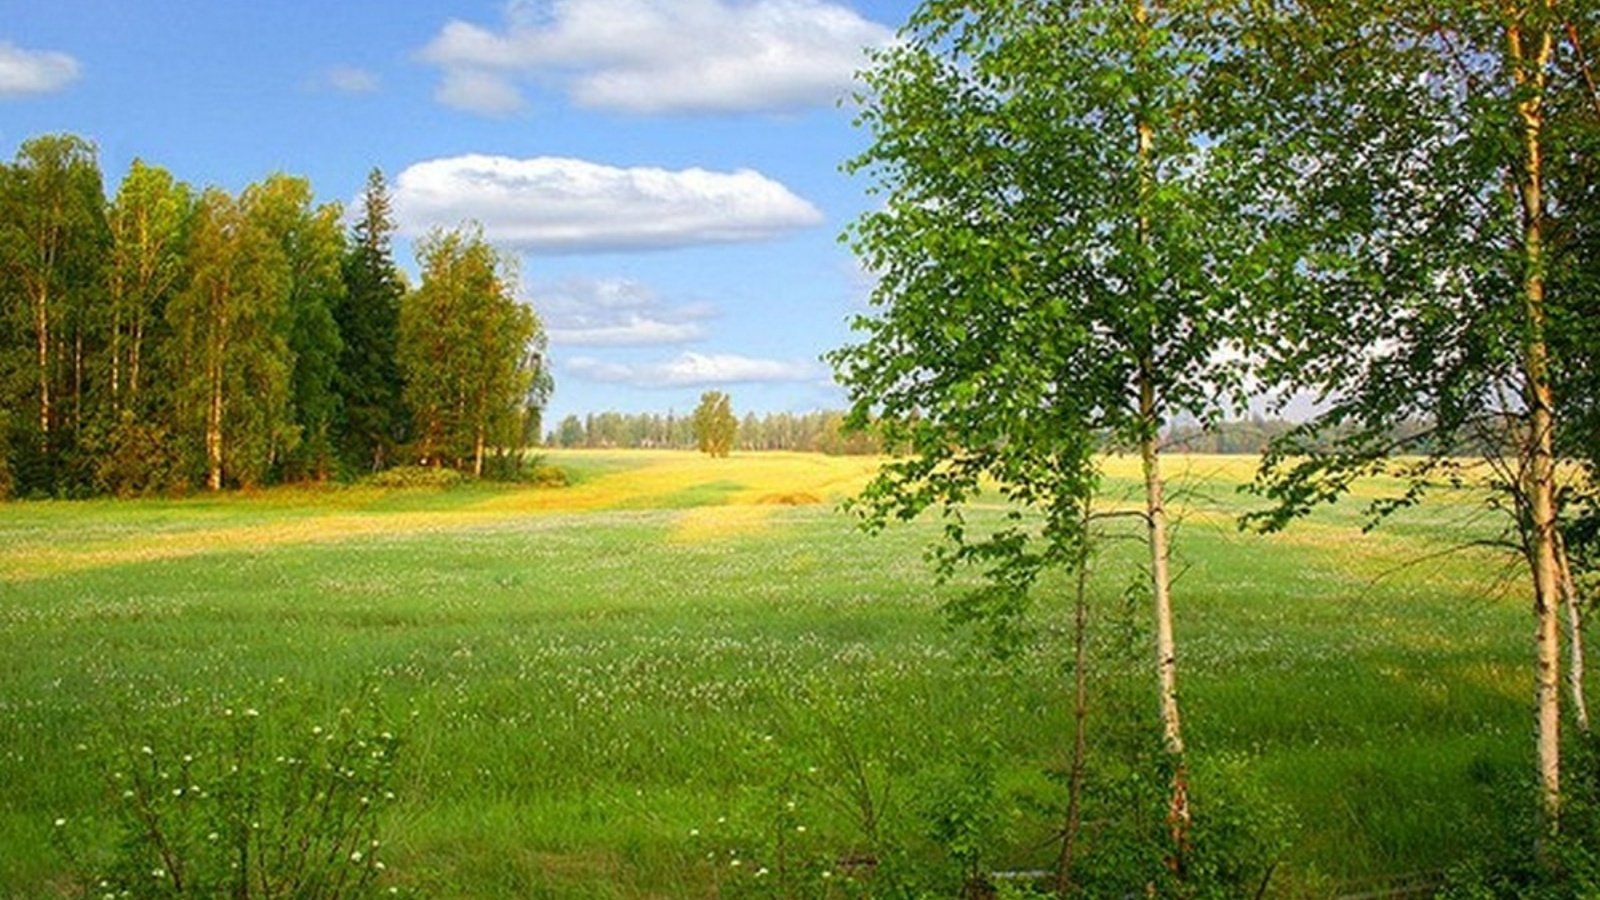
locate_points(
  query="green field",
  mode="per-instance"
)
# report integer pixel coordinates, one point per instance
(618, 688)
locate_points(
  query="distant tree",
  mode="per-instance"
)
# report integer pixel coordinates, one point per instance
(570, 432)
(312, 244)
(375, 418)
(750, 433)
(467, 351)
(230, 359)
(714, 424)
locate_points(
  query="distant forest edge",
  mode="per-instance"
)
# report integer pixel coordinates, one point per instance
(168, 339)
(823, 431)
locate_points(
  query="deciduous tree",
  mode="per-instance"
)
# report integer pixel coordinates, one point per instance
(470, 353)
(1054, 264)
(231, 361)
(715, 426)
(1420, 163)
(53, 249)
(311, 241)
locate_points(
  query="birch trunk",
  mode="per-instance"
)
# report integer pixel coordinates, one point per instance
(1538, 452)
(41, 330)
(1156, 515)
(1575, 654)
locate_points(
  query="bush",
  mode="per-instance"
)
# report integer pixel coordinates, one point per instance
(243, 807)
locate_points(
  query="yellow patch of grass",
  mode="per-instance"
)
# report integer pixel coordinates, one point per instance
(705, 524)
(626, 479)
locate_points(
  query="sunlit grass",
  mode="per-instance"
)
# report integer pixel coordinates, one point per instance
(597, 686)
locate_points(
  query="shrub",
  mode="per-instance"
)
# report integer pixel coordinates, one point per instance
(415, 477)
(240, 807)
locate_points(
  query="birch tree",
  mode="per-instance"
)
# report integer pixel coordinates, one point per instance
(1417, 156)
(464, 350)
(1055, 263)
(149, 222)
(53, 246)
(230, 355)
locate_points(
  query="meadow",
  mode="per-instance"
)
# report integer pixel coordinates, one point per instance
(685, 677)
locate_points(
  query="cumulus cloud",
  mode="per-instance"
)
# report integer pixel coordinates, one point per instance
(615, 312)
(662, 56)
(25, 72)
(691, 369)
(557, 205)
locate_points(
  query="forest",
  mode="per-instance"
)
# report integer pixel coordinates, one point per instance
(168, 338)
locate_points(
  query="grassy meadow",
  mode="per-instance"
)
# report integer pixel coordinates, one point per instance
(677, 674)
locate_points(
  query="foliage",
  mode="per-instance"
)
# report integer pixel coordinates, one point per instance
(133, 457)
(714, 424)
(250, 341)
(53, 243)
(469, 352)
(368, 314)
(312, 246)
(1424, 254)
(229, 359)
(150, 220)
(247, 806)
(415, 477)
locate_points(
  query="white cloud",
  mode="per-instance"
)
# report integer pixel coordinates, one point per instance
(666, 56)
(693, 370)
(350, 80)
(34, 71)
(556, 205)
(615, 312)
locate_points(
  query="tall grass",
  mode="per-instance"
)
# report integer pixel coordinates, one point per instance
(651, 684)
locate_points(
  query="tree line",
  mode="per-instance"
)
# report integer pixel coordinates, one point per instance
(819, 431)
(168, 338)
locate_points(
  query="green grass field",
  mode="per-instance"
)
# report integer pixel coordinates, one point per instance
(618, 688)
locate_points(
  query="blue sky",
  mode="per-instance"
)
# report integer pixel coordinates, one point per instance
(665, 171)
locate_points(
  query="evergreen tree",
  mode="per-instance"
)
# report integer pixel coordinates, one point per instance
(368, 315)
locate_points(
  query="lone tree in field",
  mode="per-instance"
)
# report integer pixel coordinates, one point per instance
(1438, 263)
(714, 424)
(1054, 267)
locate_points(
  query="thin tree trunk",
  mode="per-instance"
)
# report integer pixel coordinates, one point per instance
(1575, 667)
(1161, 590)
(1539, 452)
(214, 431)
(1156, 513)
(41, 330)
(77, 381)
(133, 362)
(477, 453)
